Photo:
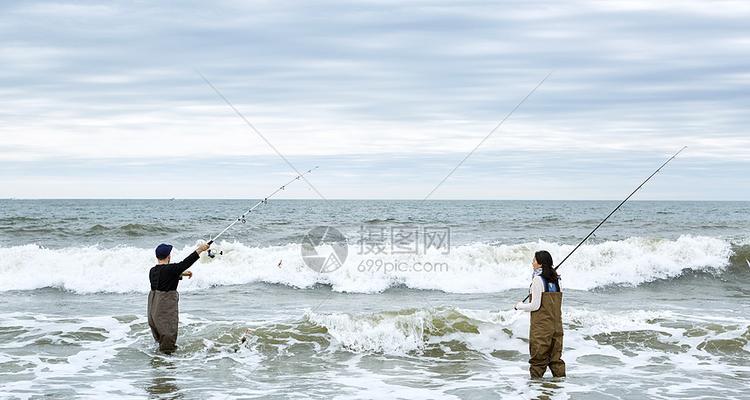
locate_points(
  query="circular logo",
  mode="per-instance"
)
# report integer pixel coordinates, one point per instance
(324, 249)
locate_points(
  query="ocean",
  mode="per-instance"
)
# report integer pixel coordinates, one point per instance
(415, 303)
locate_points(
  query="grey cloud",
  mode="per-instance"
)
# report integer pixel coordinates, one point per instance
(654, 74)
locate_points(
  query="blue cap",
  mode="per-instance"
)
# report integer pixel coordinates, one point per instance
(163, 250)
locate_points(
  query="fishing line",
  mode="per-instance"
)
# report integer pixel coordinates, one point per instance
(613, 211)
(243, 218)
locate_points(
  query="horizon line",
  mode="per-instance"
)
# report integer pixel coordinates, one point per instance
(350, 199)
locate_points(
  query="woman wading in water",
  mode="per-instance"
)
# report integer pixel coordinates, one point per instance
(546, 331)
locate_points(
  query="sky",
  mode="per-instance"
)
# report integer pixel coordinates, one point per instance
(106, 99)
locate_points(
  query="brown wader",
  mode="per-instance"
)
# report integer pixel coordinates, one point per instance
(163, 317)
(546, 337)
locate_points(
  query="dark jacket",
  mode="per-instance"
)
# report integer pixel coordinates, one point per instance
(165, 277)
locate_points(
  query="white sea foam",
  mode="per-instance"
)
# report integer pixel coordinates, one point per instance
(55, 351)
(596, 341)
(588, 332)
(473, 268)
(108, 336)
(395, 333)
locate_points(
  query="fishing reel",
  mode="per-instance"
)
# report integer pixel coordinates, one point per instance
(213, 254)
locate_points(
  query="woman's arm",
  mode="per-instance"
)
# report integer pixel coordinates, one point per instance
(537, 288)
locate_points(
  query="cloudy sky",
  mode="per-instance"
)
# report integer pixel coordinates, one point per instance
(106, 100)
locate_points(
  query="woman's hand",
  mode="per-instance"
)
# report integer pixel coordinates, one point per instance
(188, 274)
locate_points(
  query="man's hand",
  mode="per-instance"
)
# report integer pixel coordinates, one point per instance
(188, 274)
(202, 247)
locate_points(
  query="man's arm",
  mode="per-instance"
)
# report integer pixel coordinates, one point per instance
(191, 259)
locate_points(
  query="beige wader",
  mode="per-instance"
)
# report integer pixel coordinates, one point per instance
(546, 337)
(163, 318)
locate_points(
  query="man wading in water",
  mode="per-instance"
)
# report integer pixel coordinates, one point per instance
(546, 331)
(163, 314)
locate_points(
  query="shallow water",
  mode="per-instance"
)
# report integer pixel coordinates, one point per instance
(361, 345)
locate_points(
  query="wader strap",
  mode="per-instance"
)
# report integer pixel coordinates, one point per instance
(547, 285)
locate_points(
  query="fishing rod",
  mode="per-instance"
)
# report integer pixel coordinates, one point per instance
(613, 211)
(242, 219)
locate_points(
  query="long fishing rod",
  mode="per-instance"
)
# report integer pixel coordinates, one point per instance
(613, 211)
(241, 218)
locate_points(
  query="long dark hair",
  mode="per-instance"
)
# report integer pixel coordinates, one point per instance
(548, 271)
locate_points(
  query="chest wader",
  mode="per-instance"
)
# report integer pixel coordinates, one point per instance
(163, 318)
(546, 336)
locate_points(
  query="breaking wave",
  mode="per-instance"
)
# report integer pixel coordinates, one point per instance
(504, 334)
(473, 268)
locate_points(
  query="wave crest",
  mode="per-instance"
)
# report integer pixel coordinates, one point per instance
(473, 268)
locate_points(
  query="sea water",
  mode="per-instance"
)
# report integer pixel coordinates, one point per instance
(656, 303)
